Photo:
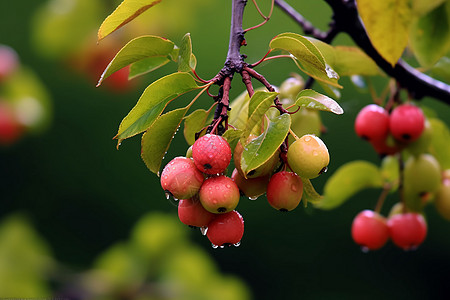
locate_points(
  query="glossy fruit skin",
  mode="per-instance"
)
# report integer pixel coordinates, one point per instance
(369, 230)
(308, 156)
(264, 169)
(442, 201)
(372, 123)
(9, 61)
(211, 154)
(226, 229)
(408, 230)
(192, 213)
(406, 123)
(181, 178)
(250, 187)
(284, 191)
(422, 174)
(219, 194)
(10, 128)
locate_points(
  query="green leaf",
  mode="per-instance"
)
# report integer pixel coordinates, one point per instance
(314, 100)
(186, 60)
(442, 69)
(152, 103)
(144, 47)
(387, 24)
(156, 140)
(440, 143)
(146, 65)
(262, 148)
(390, 171)
(193, 124)
(348, 180)
(238, 114)
(422, 7)
(346, 60)
(124, 13)
(310, 194)
(430, 36)
(232, 136)
(259, 103)
(307, 57)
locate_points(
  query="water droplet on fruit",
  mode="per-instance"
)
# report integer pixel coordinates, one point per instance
(307, 139)
(167, 195)
(158, 174)
(293, 187)
(214, 246)
(253, 198)
(203, 230)
(228, 186)
(237, 244)
(364, 249)
(221, 247)
(315, 153)
(324, 170)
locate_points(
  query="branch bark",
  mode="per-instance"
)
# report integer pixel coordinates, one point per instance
(346, 19)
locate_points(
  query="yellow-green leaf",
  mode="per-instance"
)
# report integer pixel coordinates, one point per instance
(156, 140)
(152, 103)
(140, 48)
(259, 103)
(193, 124)
(387, 24)
(186, 59)
(124, 13)
(314, 100)
(348, 180)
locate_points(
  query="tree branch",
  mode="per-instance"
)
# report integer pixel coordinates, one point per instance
(346, 19)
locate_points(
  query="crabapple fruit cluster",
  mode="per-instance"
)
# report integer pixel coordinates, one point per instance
(371, 230)
(208, 197)
(390, 133)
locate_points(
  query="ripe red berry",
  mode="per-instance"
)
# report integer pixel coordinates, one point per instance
(226, 229)
(369, 230)
(382, 148)
(284, 191)
(181, 178)
(407, 230)
(250, 187)
(406, 123)
(192, 213)
(372, 123)
(10, 128)
(219, 194)
(211, 154)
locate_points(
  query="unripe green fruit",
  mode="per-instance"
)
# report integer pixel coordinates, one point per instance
(442, 200)
(420, 145)
(308, 156)
(422, 174)
(305, 121)
(219, 194)
(291, 87)
(263, 170)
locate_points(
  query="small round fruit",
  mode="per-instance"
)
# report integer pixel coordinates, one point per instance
(383, 148)
(9, 61)
(408, 230)
(442, 200)
(306, 121)
(422, 174)
(372, 123)
(226, 229)
(421, 145)
(211, 154)
(291, 87)
(219, 194)
(406, 123)
(181, 178)
(369, 230)
(284, 191)
(250, 187)
(308, 156)
(192, 213)
(10, 128)
(264, 169)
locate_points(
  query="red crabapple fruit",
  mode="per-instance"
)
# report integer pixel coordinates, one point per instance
(211, 154)
(219, 194)
(226, 229)
(406, 123)
(308, 156)
(181, 178)
(369, 230)
(408, 230)
(192, 213)
(284, 191)
(372, 123)
(250, 187)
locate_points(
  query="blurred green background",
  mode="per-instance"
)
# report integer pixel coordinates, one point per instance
(70, 202)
